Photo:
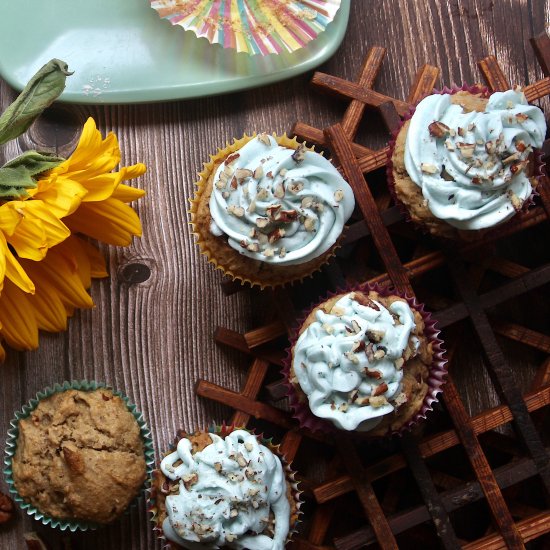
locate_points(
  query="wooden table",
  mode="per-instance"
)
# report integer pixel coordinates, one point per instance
(150, 334)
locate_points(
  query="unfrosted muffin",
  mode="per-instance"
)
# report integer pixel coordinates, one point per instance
(365, 361)
(464, 162)
(79, 456)
(229, 490)
(269, 211)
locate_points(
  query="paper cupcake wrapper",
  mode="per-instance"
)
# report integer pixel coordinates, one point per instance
(11, 447)
(454, 233)
(252, 26)
(285, 274)
(222, 430)
(435, 381)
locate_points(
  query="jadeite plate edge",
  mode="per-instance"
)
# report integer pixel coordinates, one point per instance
(122, 52)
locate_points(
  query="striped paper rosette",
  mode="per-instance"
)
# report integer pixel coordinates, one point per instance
(251, 26)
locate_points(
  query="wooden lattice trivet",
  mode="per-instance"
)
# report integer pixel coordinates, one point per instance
(514, 523)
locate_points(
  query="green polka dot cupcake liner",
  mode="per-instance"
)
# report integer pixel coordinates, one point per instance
(68, 524)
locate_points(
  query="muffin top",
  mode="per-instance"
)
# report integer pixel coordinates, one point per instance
(279, 205)
(349, 358)
(228, 492)
(80, 456)
(469, 155)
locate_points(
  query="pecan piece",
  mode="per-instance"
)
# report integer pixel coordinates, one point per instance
(379, 390)
(34, 542)
(438, 129)
(287, 215)
(372, 373)
(300, 153)
(365, 301)
(6, 508)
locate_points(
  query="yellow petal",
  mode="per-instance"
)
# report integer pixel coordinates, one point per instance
(92, 154)
(101, 187)
(59, 270)
(3, 253)
(19, 327)
(134, 171)
(62, 194)
(110, 221)
(49, 310)
(16, 274)
(125, 193)
(9, 219)
(98, 269)
(38, 230)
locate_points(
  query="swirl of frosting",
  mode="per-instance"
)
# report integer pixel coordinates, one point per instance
(471, 165)
(349, 361)
(231, 494)
(279, 205)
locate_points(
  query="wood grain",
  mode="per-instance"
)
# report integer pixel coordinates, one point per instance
(153, 338)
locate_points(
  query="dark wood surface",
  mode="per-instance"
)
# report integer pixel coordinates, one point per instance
(150, 334)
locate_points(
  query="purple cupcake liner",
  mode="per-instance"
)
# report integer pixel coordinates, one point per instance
(435, 381)
(538, 174)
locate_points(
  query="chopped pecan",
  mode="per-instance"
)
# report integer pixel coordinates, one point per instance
(287, 216)
(364, 301)
(34, 542)
(6, 508)
(276, 234)
(438, 129)
(380, 389)
(372, 373)
(232, 158)
(300, 153)
(74, 460)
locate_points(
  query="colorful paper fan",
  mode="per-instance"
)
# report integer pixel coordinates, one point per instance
(252, 26)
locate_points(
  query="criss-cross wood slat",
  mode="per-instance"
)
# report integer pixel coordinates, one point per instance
(378, 221)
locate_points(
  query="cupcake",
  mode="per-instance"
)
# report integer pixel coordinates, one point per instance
(226, 489)
(269, 211)
(464, 161)
(77, 457)
(365, 361)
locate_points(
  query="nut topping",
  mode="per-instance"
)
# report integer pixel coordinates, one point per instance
(6, 508)
(279, 191)
(378, 401)
(438, 129)
(259, 172)
(242, 173)
(428, 168)
(375, 336)
(264, 138)
(382, 388)
(365, 301)
(236, 210)
(372, 373)
(262, 222)
(300, 153)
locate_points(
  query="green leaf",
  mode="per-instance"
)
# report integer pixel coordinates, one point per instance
(41, 91)
(18, 175)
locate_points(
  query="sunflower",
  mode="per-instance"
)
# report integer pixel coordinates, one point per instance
(46, 262)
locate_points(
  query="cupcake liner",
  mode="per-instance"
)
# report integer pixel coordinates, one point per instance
(281, 275)
(11, 447)
(256, 26)
(450, 232)
(435, 381)
(156, 491)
